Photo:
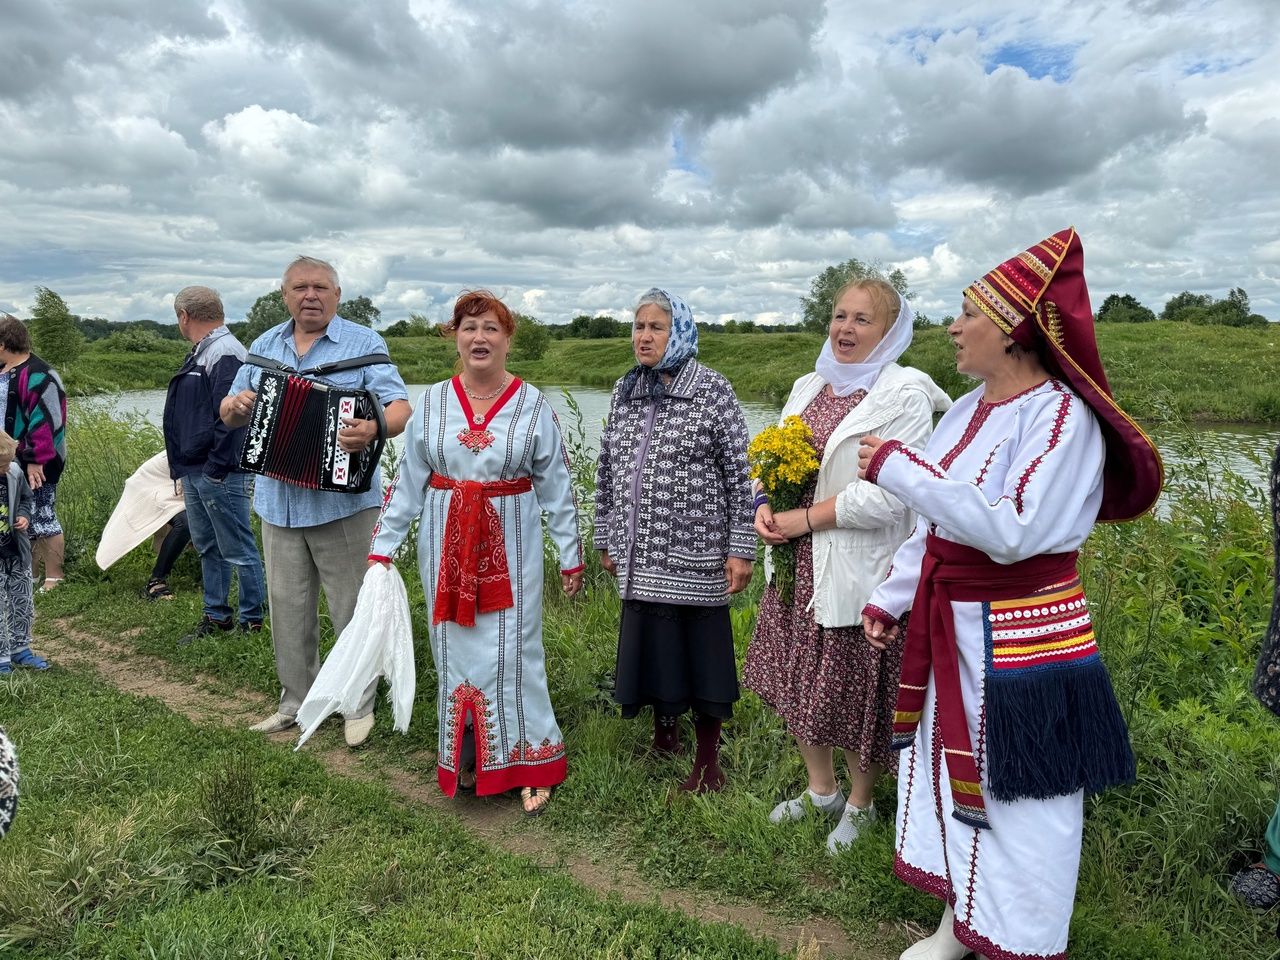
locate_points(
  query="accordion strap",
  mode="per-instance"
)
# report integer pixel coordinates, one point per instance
(337, 366)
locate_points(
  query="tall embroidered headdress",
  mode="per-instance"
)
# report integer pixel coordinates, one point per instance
(1040, 295)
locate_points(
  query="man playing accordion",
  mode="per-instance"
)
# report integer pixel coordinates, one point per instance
(314, 538)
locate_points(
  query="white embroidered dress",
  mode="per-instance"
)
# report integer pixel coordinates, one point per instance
(491, 675)
(1015, 480)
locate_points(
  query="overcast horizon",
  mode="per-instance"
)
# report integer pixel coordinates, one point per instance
(570, 155)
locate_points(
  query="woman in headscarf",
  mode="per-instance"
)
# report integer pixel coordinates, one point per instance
(673, 524)
(483, 462)
(1005, 712)
(807, 659)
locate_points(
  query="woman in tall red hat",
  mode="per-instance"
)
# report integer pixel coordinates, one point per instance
(1005, 716)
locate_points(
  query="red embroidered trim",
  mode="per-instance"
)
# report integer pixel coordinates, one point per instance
(922, 880)
(982, 474)
(525, 752)
(1055, 436)
(379, 559)
(881, 455)
(881, 614)
(490, 782)
(919, 461)
(977, 942)
(1019, 395)
(466, 698)
(572, 570)
(976, 423)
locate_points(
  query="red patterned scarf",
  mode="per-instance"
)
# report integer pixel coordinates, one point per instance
(954, 572)
(473, 575)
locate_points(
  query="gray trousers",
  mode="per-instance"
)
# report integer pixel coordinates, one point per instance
(300, 561)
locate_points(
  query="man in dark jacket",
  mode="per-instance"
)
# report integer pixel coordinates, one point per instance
(204, 454)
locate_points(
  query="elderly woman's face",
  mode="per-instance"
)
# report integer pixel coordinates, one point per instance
(855, 329)
(980, 344)
(650, 333)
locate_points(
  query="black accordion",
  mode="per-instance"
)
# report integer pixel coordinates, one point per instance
(293, 427)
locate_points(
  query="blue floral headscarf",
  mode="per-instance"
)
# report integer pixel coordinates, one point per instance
(682, 346)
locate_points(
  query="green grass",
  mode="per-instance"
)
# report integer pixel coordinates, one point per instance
(141, 835)
(1159, 371)
(1179, 604)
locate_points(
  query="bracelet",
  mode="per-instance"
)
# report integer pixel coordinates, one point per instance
(760, 500)
(806, 520)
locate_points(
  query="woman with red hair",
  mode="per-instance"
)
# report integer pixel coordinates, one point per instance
(483, 461)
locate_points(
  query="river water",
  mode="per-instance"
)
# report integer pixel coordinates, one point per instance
(1246, 449)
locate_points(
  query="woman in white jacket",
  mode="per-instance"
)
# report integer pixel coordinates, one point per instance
(808, 660)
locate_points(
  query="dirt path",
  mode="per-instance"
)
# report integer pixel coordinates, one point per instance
(206, 700)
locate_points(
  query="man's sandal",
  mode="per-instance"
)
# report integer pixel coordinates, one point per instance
(539, 796)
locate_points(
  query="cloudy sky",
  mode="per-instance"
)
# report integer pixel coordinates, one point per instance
(567, 154)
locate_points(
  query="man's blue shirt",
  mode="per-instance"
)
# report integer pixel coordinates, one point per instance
(284, 504)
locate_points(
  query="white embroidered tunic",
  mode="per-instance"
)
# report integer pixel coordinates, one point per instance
(1015, 480)
(492, 675)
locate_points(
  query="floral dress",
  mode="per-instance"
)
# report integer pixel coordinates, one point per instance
(828, 685)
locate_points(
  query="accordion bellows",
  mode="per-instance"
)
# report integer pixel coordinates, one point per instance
(293, 434)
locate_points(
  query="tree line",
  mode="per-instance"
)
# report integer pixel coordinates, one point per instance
(58, 335)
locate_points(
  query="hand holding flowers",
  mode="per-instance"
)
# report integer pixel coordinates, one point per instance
(783, 459)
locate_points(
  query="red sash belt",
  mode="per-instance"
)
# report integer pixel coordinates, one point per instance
(953, 572)
(473, 574)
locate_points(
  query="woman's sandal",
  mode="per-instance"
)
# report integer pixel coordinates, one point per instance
(157, 590)
(539, 796)
(49, 584)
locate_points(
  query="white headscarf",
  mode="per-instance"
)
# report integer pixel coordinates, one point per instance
(845, 378)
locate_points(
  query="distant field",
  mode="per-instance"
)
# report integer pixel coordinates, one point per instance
(1159, 371)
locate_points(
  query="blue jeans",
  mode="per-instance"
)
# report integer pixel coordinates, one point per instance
(218, 516)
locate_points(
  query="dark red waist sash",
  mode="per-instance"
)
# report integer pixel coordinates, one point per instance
(1049, 716)
(473, 575)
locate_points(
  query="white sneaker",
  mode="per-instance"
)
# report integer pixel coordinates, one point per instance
(798, 808)
(851, 823)
(356, 730)
(274, 723)
(941, 945)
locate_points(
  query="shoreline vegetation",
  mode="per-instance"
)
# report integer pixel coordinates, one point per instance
(1160, 371)
(138, 827)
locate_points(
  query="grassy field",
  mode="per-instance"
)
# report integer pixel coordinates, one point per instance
(1159, 371)
(1179, 605)
(142, 835)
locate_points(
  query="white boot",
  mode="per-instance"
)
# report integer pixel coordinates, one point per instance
(942, 945)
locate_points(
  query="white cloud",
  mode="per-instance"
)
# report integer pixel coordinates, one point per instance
(569, 155)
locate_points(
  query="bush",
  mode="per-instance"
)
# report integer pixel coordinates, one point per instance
(531, 339)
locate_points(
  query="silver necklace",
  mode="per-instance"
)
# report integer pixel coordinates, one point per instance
(488, 396)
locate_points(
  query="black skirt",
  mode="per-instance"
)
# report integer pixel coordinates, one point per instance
(675, 657)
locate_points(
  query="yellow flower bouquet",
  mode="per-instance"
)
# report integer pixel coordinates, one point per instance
(783, 459)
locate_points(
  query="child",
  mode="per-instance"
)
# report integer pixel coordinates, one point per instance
(16, 607)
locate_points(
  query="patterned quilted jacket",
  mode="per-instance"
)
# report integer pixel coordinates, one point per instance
(673, 499)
